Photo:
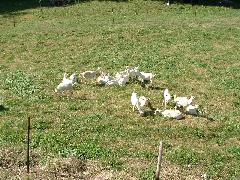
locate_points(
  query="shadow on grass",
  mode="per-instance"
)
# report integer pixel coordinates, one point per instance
(2, 108)
(14, 6)
(235, 4)
(148, 113)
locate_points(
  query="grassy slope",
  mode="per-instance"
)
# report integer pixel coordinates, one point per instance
(190, 54)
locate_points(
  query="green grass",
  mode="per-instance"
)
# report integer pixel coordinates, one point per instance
(191, 55)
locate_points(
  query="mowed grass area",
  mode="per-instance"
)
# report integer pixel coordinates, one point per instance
(190, 54)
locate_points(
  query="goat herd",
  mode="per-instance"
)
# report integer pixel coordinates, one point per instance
(179, 105)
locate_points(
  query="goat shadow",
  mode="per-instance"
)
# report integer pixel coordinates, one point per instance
(206, 117)
(148, 113)
(152, 87)
(2, 108)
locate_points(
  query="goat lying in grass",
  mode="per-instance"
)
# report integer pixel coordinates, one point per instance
(103, 79)
(123, 80)
(67, 83)
(170, 113)
(120, 79)
(133, 72)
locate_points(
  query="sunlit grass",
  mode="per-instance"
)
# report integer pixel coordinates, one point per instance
(191, 55)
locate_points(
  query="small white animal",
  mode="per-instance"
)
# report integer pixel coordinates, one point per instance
(183, 101)
(143, 101)
(119, 75)
(122, 74)
(103, 79)
(157, 111)
(135, 102)
(166, 97)
(73, 77)
(172, 113)
(146, 76)
(108, 77)
(66, 84)
(123, 80)
(204, 176)
(192, 110)
(133, 72)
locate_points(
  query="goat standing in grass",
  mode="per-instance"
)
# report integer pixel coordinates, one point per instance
(134, 100)
(146, 77)
(166, 97)
(135, 103)
(143, 101)
(183, 101)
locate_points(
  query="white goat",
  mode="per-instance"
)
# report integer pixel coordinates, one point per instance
(119, 75)
(143, 101)
(135, 103)
(157, 111)
(166, 97)
(192, 110)
(122, 74)
(123, 80)
(133, 72)
(102, 80)
(134, 100)
(146, 76)
(73, 77)
(66, 84)
(183, 101)
(172, 113)
(168, 3)
(169, 113)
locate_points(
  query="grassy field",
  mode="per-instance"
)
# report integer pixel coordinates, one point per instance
(93, 133)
